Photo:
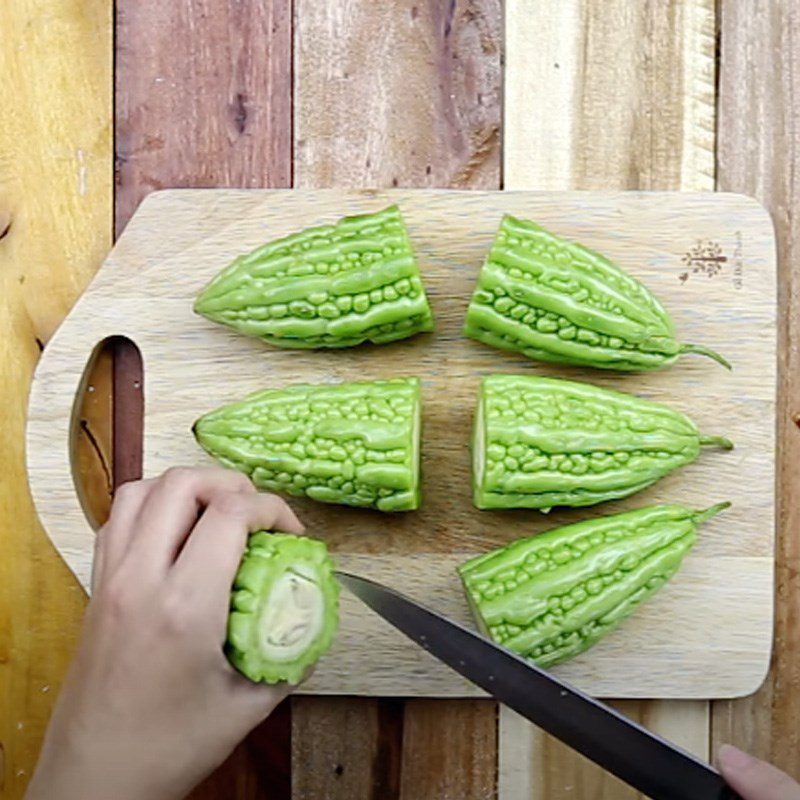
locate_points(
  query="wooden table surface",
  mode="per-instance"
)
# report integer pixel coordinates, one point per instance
(102, 105)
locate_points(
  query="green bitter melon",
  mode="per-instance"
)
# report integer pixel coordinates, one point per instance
(554, 300)
(329, 286)
(552, 596)
(350, 443)
(545, 442)
(284, 607)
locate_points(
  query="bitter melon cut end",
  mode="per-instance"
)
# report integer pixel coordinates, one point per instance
(478, 460)
(284, 608)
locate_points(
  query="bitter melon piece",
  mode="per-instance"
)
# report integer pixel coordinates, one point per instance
(328, 286)
(544, 442)
(552, 596)
(284, 607)
(350, 443)
(558, 301)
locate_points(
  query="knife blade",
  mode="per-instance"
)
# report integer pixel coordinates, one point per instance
(632, 753)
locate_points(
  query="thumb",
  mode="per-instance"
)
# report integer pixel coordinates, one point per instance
(754, 779)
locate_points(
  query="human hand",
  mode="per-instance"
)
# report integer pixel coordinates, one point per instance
(150, 704)
(753, 779)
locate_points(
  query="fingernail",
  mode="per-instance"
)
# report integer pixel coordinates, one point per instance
(731, 757)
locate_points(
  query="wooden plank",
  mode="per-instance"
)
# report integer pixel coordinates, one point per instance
(55, 227)
(577, 119)
(759, 154)
(534, 765)
(430, 116)
(459, 768)
(128, 411)
(203, 98)
(92, 451)
(360, 759)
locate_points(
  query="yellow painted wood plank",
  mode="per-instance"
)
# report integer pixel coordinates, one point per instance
(603, 96)
(56, 183)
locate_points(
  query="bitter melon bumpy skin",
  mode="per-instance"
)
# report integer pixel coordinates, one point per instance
(552, 596)
(554, 300)
(545, 442)
(284, 608)
(351, 443)
(329, 286)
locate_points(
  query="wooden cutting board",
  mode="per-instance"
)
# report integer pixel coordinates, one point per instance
(709, 257)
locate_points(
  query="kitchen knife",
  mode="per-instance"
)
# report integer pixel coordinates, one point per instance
(627, 750)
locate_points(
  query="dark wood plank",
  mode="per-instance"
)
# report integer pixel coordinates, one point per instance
(429, 116)
(203, 98)
(92, 451)
(759, 154)
(128, 410)
(346, 747)
(457, 766)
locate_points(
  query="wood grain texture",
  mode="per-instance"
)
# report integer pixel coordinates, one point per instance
(609, 95)
(429, 115)
(458, 766)
(93, 455)
(203, 98)
(577, 119)
(536, 766)
(145, 291)
(55, 229)
(361, 758)
(759, 153)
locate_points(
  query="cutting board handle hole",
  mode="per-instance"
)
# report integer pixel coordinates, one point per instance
(107, 425)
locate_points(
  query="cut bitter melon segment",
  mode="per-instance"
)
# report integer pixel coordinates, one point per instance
(544, 442)
(552, 596)
(554, 300)
(284, 607)
(329, 286)
(350, 443)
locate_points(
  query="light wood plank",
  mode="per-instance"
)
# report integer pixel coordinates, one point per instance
(618, 94)
(55, 226)
(203, 98)
(759, 153)
(535, 765)
(428, 116)
(576, 118)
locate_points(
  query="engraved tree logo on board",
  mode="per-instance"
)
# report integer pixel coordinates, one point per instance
(705, 258)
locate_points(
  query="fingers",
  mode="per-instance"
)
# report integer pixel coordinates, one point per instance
(114, 537)
(754, 779)
(208, 562)
(170, 511)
